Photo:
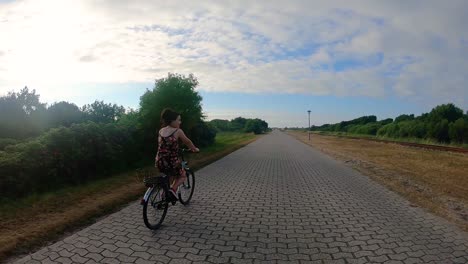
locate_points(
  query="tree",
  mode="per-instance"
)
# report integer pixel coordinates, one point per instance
(130, 118)
(221, 125)
(27, 100)
(446, 111)
(386, 121)
(238, 123)
(253, 126)
(64, 114)
(21, 114)
(101, 112)
(264, 125)
(257, 126)
(402, 118)
(174, 91)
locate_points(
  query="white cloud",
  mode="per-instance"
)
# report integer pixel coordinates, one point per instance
(274, 46)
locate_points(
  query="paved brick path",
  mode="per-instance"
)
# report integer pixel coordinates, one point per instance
(274, 201)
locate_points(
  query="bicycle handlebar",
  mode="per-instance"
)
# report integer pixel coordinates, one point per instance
(184, 150)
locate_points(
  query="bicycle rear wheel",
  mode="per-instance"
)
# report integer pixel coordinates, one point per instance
(187, 187)
(155, 208)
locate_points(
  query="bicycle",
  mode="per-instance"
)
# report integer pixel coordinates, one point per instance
(156, 202)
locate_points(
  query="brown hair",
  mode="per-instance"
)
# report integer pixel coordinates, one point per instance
(167, 116)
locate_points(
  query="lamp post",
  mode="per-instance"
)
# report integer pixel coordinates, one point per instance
(309, 123)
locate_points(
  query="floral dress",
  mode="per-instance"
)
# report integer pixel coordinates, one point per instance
(167, 159)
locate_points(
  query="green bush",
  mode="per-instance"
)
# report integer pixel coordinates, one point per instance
(445, 123)
(221, 125)
(202, 134)
(405, 127)
(65, 156)
(418, 129)
(4, 142)
(368, 129)
(65, 145)
(352, 129)
(385, 121)
(389, 130)
(257, 126)
(240, 124)
(439, 130)
(458, 131)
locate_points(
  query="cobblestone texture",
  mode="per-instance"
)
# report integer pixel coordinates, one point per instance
(273, 201)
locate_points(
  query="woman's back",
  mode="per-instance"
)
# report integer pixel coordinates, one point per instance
(167, 131)
(167, 159)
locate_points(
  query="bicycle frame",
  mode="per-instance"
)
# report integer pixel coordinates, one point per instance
(165, 180)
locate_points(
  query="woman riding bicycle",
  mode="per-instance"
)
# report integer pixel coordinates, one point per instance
(167, 159)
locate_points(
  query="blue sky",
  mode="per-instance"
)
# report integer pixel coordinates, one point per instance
(273, 60)
(283, 109)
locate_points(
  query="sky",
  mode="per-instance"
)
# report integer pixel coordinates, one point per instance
(268, 59)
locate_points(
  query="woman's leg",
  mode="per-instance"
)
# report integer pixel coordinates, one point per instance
(179, 180)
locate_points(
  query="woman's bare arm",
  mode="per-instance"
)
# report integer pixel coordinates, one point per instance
(186, 140)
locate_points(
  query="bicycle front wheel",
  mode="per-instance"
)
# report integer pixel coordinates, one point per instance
(187, 187)
(155, 208)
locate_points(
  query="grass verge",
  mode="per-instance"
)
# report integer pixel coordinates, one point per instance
(435, 180)
(408, 140)
(36, 220)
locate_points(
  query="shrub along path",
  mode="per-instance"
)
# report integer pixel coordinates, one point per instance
(33, 221)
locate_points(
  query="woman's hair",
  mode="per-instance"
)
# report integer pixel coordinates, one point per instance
(167, 116)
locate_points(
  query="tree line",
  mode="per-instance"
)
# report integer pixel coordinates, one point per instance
(22, 115)
(44, 147)
(445, 123)
(238, 124)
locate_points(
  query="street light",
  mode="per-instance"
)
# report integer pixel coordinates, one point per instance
(309, 123)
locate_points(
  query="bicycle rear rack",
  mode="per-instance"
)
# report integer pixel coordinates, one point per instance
(156, 180)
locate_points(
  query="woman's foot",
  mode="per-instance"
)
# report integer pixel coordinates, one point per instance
(177, 184)
(173, 194)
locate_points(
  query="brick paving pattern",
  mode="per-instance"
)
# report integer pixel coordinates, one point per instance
(273, 201)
